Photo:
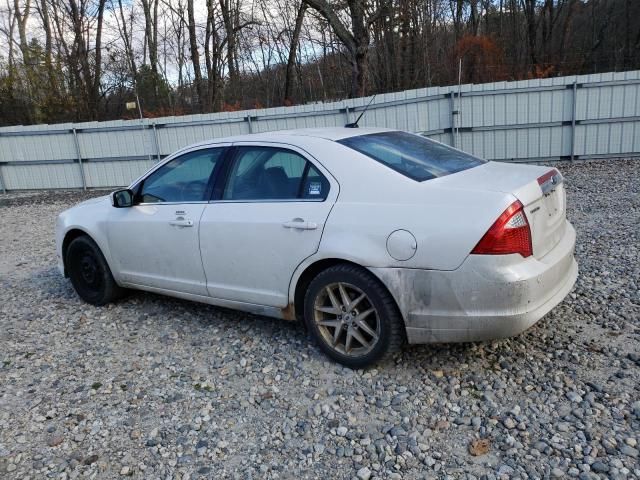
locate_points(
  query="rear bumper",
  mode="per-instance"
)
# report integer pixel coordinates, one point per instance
(487, 297)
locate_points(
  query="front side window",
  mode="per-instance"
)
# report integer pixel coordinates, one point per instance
(414, 156)
(183, 179)
(268, 173)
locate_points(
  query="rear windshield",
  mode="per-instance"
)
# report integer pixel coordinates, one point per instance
(412, 155)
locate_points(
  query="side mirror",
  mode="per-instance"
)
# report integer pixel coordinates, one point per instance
(122, 198)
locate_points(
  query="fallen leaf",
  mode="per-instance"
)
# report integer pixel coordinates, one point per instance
(479, 446)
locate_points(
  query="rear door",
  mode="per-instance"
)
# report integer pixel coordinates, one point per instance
(268, 217)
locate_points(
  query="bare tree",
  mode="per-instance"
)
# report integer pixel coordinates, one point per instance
(84, 55)
(355, 39)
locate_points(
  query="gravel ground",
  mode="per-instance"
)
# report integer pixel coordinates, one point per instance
(153, 387)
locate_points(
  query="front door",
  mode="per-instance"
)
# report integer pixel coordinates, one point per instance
(270, 218)
(155, 243)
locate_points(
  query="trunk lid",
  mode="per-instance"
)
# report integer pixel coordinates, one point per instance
(547, 214)
(539, 189)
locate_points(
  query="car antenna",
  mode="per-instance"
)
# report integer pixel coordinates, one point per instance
(355, 124)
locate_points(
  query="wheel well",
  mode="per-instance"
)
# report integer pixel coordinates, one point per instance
(307, 277)
(70, 236)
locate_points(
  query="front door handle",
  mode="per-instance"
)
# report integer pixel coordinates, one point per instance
(300, 224)
(181, 222)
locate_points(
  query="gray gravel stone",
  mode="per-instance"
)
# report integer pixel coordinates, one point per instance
(509, 423)
(629, 451)
(599, 467)
(364, 473)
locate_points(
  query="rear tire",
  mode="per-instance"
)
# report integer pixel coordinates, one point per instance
(89, 273)
(352, 316)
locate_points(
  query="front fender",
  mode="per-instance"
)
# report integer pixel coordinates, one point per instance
(90, 218)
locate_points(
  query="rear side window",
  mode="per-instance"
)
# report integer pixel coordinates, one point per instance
(414, 156)
(268, 173)
(315, 186)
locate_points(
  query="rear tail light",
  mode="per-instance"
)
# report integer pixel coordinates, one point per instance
(509, 234)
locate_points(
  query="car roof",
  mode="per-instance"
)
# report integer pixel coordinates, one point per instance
(331, 133)
(290, 136)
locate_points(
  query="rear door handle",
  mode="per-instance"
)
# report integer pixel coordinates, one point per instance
(300, 224)
(181, 223)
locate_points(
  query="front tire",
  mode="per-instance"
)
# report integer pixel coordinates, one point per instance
(89, 273)
(352, 316)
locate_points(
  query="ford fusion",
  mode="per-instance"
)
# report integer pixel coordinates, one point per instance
(371, 237)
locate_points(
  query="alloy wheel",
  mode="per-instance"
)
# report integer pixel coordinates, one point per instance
(346, 319)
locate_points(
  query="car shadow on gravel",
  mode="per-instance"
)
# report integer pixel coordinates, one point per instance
(52, 286)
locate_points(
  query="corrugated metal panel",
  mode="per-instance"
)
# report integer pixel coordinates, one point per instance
(113, 174)
(608, 138)
(45, 147)
(528, 119)
(31, 177)
(128, 143)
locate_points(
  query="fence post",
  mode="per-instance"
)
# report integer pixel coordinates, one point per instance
(454, 112)
(77, 143)
(155, 138)
(346, 112)
(248, 119)
(573, 120)
(2, 184)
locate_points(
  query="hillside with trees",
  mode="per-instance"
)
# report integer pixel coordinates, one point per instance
(75, 60)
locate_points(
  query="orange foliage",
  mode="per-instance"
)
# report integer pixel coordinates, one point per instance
(164, 112)
(231, 107)
(482, 59)
(542, 72)
(158, 112)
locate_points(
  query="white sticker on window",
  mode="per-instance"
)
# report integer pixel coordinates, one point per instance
(315, 188)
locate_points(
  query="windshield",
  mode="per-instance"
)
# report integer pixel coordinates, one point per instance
(412, 155)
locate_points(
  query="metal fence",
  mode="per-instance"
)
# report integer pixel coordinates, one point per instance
(575, 117)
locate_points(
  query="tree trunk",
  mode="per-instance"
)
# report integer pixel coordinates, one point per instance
(212, 54)
(150, 8)
(12, 26)
(404, 67)
(362, 38)
(457, 19)
(292, 53)
(474, 17)
(97, 73)
(228, 17)
(195, 55)
(21, 21)
(127, 42)
(532, 28)
(627, 35)
(48, 48)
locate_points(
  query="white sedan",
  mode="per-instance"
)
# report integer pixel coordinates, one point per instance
(371, 237)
